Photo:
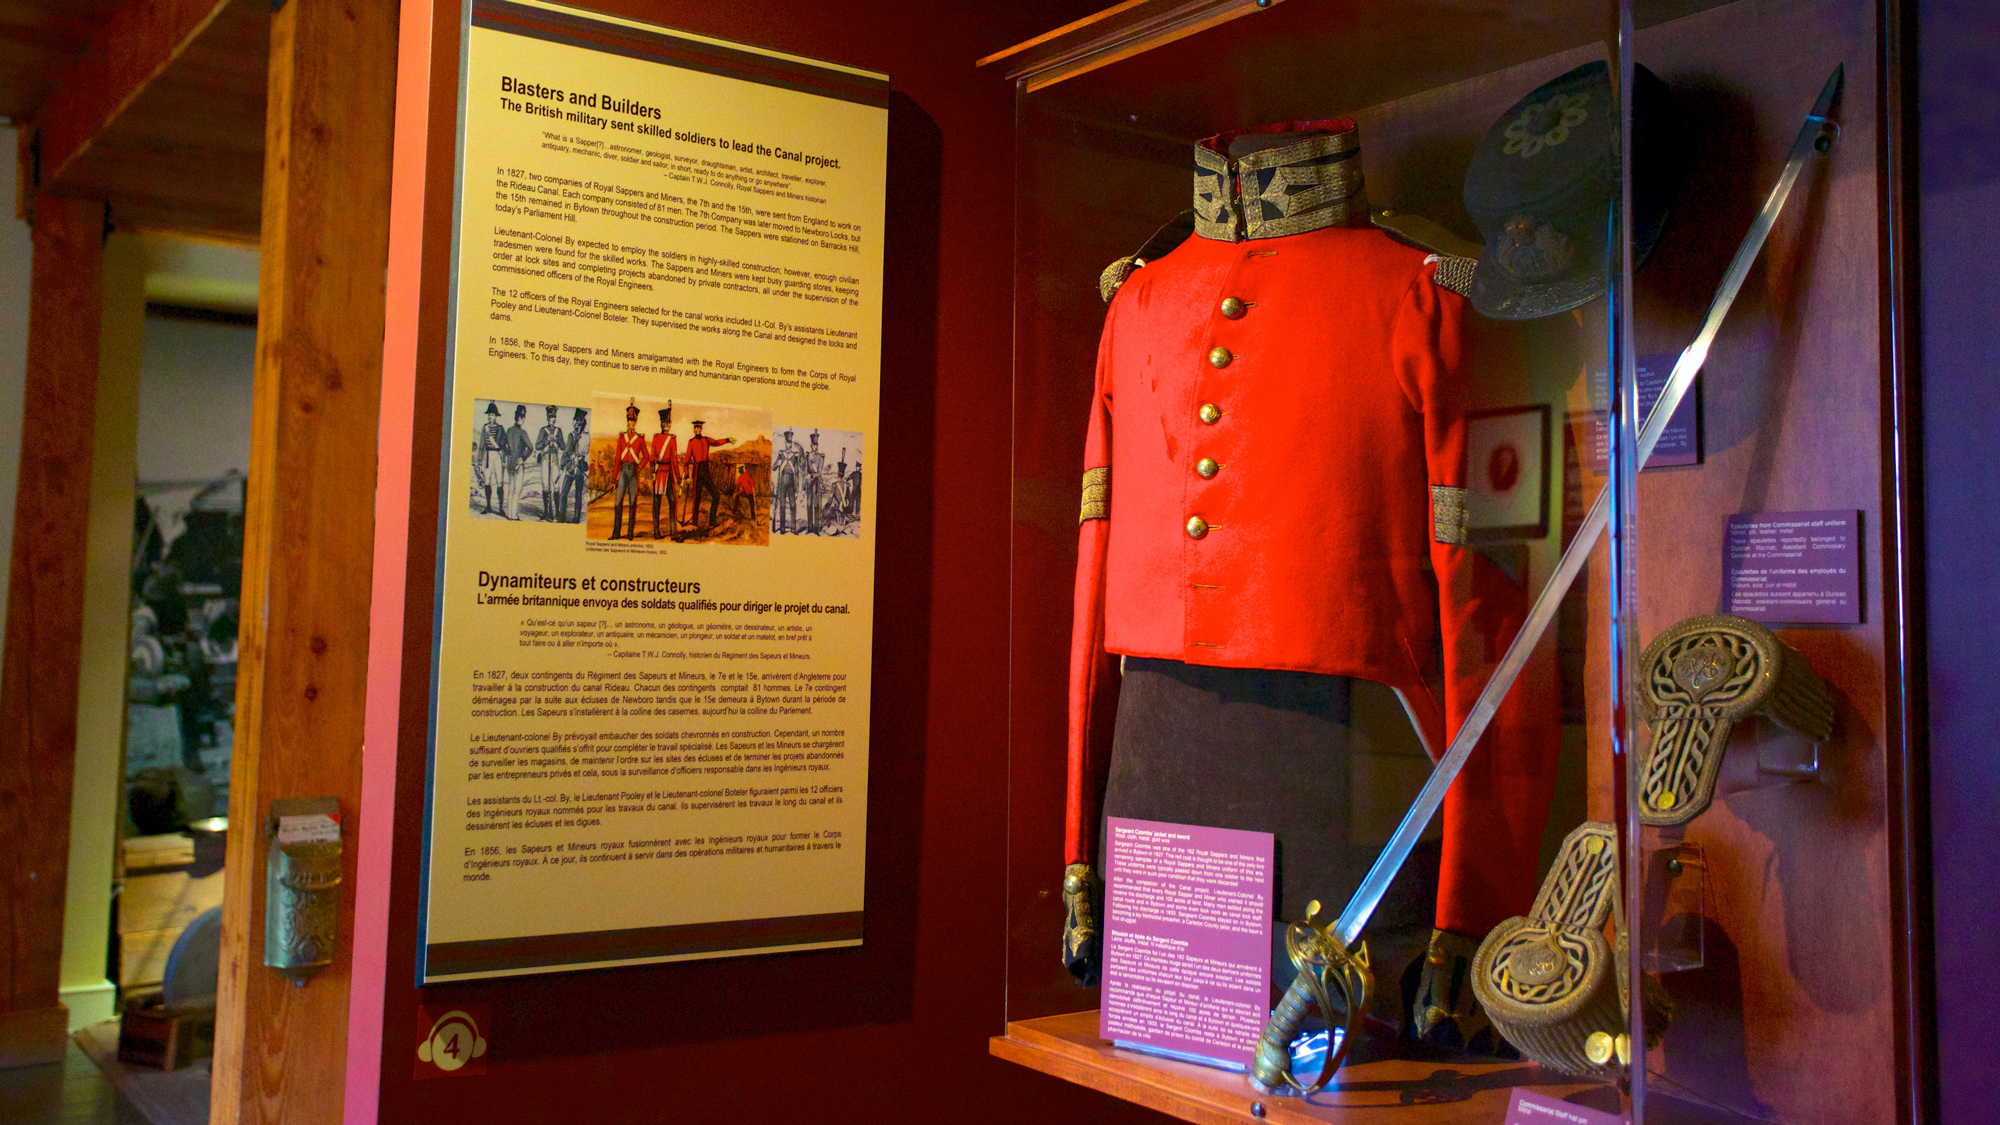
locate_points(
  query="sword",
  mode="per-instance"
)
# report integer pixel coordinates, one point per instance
(1272, 1069)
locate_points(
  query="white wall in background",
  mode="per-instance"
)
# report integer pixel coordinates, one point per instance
(194, 399)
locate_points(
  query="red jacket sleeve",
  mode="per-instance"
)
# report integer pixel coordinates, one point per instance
(1093, 674)
(1495, 811)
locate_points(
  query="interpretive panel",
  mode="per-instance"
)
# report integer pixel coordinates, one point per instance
(650, 711)
(1680, 442)
(1187, 940)
(1793, 567)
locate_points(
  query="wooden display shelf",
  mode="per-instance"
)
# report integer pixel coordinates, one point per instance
(1423, 1092)
(1441, 1091)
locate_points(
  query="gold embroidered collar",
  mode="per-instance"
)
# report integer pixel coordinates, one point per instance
(1304, 186)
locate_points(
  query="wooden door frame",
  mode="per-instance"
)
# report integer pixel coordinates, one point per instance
(281, 1049)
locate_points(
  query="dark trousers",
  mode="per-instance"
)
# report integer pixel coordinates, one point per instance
(1263, 750)
(660, 485)
(628, 486)
(704, 483)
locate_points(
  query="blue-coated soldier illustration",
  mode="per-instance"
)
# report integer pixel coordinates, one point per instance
(815, 482)
(576, 461)
(549, 458)
(519, 450)
(786, 468)
(491, 462)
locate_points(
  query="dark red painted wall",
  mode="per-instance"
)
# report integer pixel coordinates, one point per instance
(894, 1031)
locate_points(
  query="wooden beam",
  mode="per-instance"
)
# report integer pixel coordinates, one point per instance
(187, 154)
(44, 641)
(308, 532)
(132, 48)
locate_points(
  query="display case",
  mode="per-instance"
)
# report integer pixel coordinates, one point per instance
(1353, 460)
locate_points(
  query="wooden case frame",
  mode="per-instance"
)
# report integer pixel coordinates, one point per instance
(1807, 397)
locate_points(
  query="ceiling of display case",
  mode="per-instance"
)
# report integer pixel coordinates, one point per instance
(1315, 58)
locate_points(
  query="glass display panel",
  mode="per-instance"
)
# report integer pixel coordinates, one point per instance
(1302, 680)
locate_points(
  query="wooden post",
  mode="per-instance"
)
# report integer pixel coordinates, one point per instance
(38, 678)
(308, 532)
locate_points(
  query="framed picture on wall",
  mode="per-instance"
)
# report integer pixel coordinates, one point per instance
(1507, 463)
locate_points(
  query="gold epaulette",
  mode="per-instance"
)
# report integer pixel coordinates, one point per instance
(1114, 275)
(1453, 272)
(1453, 256)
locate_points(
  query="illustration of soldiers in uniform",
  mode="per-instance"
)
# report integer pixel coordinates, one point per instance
(785, 470)
(576, 459)
(746, 492)
(843, 496)
(665, 453)
(815, 482)
(519, 450)
(549, 456)
(697, 457)
(491, 461)
(630, 455)
(854, 489)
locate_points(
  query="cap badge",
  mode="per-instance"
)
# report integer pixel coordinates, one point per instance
(1545, 124)
(1532, 251)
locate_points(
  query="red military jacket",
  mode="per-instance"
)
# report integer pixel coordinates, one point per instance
(697, 453)
(666, 454)
(1277, 458)
(629, 447)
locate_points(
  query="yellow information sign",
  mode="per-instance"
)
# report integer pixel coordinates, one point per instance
(650, 711)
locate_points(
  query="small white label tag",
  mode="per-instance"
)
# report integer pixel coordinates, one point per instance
(319, 828)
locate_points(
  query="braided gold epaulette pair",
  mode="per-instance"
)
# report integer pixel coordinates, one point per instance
(1453, 257)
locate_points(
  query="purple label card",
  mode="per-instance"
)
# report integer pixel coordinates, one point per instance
(1530, 1108)
(1793, 567)
(1680, 442)
(1187, 940)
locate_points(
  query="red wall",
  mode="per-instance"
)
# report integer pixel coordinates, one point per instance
(893, 1031)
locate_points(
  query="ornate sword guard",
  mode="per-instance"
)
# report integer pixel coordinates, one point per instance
(1330, 975)
(1697, 680)
(1550, 982)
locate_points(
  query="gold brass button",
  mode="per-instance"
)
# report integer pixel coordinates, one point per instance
(1206, 468)
(1232, 308)
(1196, 527)
(1219, 357)
(1208, 414)
(1599, 1047)
(1666, 800)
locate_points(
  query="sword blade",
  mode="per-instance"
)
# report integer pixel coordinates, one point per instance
(1361, 907)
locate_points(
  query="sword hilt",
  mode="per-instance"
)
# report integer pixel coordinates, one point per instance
(1326, 968)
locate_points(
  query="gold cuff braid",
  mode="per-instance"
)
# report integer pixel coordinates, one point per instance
(1096, 494)
(1448, 514)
